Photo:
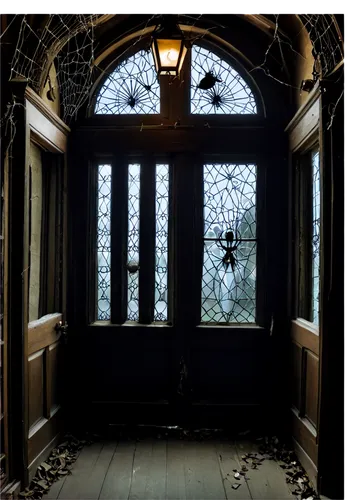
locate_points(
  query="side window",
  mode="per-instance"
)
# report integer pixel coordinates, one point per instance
(45, 193)
(309, 229)
(139, 203)
(229, 263)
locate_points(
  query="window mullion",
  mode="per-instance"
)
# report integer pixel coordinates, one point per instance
(119, 231)
(199, 233)
(147, 242)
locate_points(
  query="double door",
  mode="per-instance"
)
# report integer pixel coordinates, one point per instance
(172, 322)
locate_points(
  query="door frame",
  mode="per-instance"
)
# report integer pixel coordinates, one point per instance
(88, 143)
(34, 121)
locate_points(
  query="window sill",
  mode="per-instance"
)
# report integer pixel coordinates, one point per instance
(129, 324)
(307, 325)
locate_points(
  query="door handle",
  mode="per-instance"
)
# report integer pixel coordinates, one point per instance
(62, 327)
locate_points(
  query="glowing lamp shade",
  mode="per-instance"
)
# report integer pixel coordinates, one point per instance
(168, 55)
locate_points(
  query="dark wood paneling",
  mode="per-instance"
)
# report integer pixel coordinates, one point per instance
(36, 387)
(181, 140)
(311, 379)
(305, 122)
(42, 332)
(45, 378)
(306, 462)
(296, 357)
(43, 433)
(306, 334)
(305, 435)
(54, 374)
(50, 131)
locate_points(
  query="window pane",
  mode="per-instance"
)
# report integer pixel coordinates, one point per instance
(315, 237)
(132, 88)
(36, 202)
(229, 264)
(104, 242)
(161, 243)
(216, 87)
(133, 241)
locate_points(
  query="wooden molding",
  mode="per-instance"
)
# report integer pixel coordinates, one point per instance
(11, 491)
(32, 468)
(45, 110)
(304, 125)
(306, 462)
(312, 98)
(306, 334)
(42, 332)
(305, 434)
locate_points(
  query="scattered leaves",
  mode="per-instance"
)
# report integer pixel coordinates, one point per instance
(57, 465)
(273, 449)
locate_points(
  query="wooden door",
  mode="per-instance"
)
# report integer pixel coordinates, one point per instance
(139, 369)
(306, 266)
(46, 304)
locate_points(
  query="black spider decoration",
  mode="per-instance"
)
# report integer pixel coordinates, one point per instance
(233, 242)
(208, 81)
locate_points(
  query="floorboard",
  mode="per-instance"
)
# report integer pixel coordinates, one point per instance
(89, 472)
(202, 473)
(229, 462)
(268, 481)
(116, 484)
(173, 469)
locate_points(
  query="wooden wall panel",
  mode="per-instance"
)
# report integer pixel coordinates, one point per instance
(311, 393)
(54, 374)
(306, 334)
(296, 359)
(36, 387)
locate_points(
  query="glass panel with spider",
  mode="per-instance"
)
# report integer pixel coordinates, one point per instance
(216, 87)
(131, 89)
(229, 263)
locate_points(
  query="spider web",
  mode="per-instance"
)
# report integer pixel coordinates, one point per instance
(132, 88)
(229, 291)
(66, 40)
(229, 95)
(327, 45)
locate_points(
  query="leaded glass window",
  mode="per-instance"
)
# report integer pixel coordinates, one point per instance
(104, 191)
(316, 192)
(132, 88)
(216, 87)
(132, 257)
(229, 263)
(133, 241)
(161, 243)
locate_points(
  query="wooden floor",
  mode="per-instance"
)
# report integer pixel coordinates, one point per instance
(168, 469)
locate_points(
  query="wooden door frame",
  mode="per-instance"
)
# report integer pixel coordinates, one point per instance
(34, 121)
(303, 131)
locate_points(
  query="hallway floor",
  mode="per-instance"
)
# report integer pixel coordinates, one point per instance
(170, 469)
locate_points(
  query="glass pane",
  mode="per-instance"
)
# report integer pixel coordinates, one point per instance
(161, 243)
(216, 87)
(133, 241)
(229, 264)
(315, 237)
(104, 242)
(132, 88)
(36, 201)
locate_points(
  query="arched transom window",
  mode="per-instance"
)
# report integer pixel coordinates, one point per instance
(216, 87)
